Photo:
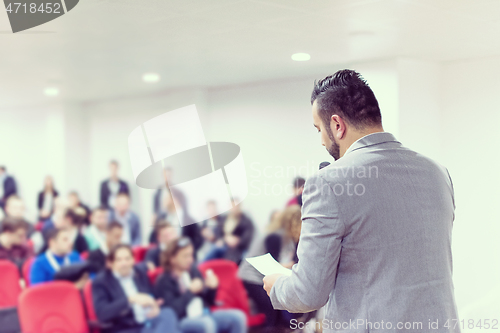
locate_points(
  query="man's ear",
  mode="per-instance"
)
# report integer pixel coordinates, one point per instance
(338, 126)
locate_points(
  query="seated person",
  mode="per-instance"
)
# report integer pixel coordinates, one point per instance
(122, 298)
(165, 233)
(181, 287)
(13, 241)
(68, 220)
(95, 234)
(97, 257)
(237, 231)
(281, 242)
(58, 254)
(211, 230)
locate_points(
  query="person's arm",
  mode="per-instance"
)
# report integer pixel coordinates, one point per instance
(136, 231)
(247, 234)
(103, 194)
(106, 309)
(313, 277)
(164, 289)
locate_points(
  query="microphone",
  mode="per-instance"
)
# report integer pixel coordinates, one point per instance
(323, 164)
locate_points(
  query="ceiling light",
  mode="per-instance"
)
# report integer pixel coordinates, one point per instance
(151, 77)
(301, 56)
(51, 91)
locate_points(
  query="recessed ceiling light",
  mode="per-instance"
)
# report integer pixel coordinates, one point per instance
(301, 56)
(51, 91)
(151, 77)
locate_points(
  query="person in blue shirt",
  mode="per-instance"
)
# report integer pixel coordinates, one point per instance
(58, 254)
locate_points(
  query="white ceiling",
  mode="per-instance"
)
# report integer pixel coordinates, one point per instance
(101, 48)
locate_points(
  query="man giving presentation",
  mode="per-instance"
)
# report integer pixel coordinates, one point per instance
(375, 246)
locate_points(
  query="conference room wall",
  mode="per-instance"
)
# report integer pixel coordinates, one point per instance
(471, 114)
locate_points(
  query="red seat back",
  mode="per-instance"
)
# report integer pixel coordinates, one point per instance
(84, 255)
(140, 252)
(26, 270)
(231, 293)
(54, 307)
(153, 274)
(9, 284)
(89, 305)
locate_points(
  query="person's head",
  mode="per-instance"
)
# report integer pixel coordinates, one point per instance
(298, 185)
(67, 219)
(48, 183)
(114, 232)
(212, 208)
(14, 207)
(166, 232)
(59, 241)
(291, 222)
(122, 203)
(121, 259)
(179, 255)
(3, 169)
(344, 109)
(15, 230)
(73, 199)
(113, 168)
(100, 217)
(167, 174)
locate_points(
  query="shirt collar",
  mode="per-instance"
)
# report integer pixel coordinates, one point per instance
(372, 139)
(122, 278)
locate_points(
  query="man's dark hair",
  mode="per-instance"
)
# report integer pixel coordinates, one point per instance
(12, 224)
(115, 162)
(113, 224)
(346, 94)
(3, 168)
(161, 225)
(76, 219)
(100, 208)
(298, 182)
(112, 253)
(52, 234)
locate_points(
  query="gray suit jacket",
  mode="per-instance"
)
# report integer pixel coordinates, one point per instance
(375, 245)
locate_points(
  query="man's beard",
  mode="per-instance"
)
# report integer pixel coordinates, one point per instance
(334, 149)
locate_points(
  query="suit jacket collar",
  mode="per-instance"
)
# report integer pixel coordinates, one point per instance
(372, 139)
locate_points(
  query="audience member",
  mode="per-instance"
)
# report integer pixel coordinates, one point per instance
(281, 242)
(211, 230)
(128, 219)
(68, 220)
(112, 186)
(182, 287)
(58, 254)
(298, 187)
(112, 237)
(13, 241)
(237, 232)
(95, 234)
(79, 208)
(161, 193)
(8, 186)
(122, 297)
(166, 232)
(46, 198)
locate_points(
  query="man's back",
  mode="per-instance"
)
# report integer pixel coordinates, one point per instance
(383, 215)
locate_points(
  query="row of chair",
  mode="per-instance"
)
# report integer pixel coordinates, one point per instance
(58, 307)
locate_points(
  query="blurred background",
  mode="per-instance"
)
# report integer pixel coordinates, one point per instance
(72, 90)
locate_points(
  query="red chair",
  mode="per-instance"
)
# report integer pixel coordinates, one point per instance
(52, 307)
(231, 294)
(140, 252)
(26, 270)
(89, 305)
(153, 274)
(9, 284)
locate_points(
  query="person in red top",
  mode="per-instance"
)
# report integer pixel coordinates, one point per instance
(13, 241)
(298, 187)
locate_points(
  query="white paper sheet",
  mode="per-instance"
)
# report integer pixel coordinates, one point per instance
(266, 265)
